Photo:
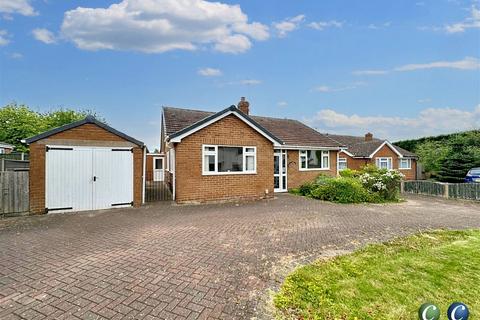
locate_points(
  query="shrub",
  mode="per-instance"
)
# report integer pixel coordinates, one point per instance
(382, 181)
(349, 173)
(306, 188)
(342, 190)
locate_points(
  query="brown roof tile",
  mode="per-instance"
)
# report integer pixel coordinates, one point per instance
(361, 148)
(291, 132)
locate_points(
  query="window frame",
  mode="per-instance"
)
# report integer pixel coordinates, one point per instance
(380, 159)
(303, 153)
(245, 154)
(409, 162)
(342, 159)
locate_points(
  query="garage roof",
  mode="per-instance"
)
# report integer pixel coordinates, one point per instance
(88, 119)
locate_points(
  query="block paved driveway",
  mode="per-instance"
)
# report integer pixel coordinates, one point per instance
(195, 262)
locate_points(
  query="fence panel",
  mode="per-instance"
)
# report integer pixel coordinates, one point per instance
(13, 192)
(424, 187)
(468, 191)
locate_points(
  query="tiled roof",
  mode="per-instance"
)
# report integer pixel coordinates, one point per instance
(291, 132)
(361, 148)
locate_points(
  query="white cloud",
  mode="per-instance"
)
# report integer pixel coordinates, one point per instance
(44, 35)
(155, 26)
(472, 22)
(468, 63)
(288, 25)
(16, 55)
(4, 38)
(431, 121)
(369, 72)
(326, 89)
(384, 25)
(244, 82)
(322, 25)
(22, 7)
(209, 72)
(282, 103)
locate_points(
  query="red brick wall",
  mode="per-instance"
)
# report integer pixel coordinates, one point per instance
(385, 151)
(192, 186)
(83, 135)
(296, 177)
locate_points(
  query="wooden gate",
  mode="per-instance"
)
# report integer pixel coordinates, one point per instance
(13, 192)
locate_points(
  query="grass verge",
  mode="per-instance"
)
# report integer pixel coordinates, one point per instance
(388, 281)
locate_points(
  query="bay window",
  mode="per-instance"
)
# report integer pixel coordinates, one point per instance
(314, 159)
(228, 159)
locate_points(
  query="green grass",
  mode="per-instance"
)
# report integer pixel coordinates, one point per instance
(388, 281)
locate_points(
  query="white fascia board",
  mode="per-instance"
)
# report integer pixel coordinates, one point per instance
(206, 124)
(390, 146)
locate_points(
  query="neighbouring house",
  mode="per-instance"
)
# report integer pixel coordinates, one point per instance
(361, 151)
(231, 154)
(85, 165)
(6, 148)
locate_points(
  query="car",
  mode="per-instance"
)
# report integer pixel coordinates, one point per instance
(473, 175)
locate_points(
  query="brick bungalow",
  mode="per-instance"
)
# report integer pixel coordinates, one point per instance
(361, 151)
(233, 155)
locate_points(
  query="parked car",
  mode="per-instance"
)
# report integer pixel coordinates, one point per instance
(473, 175)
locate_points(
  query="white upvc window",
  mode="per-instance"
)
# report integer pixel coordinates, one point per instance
(384, 163)
(2, 150)
(314, 160)
(405, 163)
(342, 164)
(228, 160)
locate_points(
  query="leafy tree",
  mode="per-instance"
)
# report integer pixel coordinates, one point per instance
(19, 122)
(462, 157)
(432, 154)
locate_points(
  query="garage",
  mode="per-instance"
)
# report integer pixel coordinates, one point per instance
(85, 165)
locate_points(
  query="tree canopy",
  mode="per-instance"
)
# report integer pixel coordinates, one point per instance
(19, 122)
(447, 157)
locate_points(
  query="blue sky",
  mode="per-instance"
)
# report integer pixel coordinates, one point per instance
(399, 69)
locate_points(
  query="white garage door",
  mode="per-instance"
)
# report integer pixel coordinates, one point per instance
(83, 178)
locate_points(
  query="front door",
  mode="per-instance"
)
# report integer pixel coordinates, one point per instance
(280, 170)
(158, 173)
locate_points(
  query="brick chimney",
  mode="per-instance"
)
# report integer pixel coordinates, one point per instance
(368, 136)
(244, 105)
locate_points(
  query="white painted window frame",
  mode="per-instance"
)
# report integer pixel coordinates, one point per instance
(304, 154)
(215, 154)
(378, 160)
(343, 160)
(409, 164)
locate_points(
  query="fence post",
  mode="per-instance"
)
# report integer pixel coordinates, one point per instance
(2, 166)
(446, 190)
(402, 186)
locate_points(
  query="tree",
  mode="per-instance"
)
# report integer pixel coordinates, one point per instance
(462, 157)
(19, 122)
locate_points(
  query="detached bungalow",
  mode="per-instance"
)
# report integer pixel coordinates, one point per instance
(234, 155)
(361, 151)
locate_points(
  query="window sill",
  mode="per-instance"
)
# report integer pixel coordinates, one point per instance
(404, 168)
(315, 169)
(228, 173)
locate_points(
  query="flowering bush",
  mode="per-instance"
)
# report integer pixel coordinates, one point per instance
(367, 185)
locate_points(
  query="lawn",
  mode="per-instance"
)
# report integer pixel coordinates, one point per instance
(389, 280)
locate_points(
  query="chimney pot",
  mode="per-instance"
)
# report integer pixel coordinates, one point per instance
(368, 136)
(244, 105)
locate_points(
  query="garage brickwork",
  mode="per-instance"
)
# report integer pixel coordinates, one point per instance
(192, 186)
(385, 151)
(295, 177)
(84, 135)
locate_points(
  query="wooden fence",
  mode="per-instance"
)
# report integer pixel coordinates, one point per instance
(13, 192)
(468, 191)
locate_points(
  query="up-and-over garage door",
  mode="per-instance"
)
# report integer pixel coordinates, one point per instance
(88, 178)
